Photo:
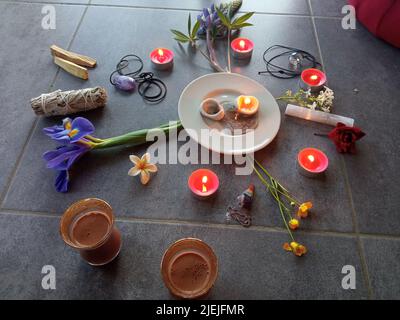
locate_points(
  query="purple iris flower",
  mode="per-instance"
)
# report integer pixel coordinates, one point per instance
(64, 156)
(70, 131)
(209, 19)
(61, 160)
(62, 181)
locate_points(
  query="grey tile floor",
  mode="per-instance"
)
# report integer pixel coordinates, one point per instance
(354, 221)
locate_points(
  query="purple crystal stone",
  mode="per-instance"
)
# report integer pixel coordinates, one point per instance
(125, 83)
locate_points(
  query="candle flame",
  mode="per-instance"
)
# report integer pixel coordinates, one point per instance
(314, 77)
(242, 44)
(160, 52)
(204, 180)
(311, 158)
(247, 101)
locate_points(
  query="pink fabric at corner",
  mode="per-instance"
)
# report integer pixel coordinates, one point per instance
(381, 17)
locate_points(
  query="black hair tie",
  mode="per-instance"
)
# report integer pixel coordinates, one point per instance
(144, 81)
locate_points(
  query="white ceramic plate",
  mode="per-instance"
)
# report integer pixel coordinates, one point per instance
(216, 84)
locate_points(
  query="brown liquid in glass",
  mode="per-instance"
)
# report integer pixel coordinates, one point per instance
(190, 272)
(90, 230)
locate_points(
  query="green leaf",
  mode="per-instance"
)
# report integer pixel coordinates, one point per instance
(182, 40)
(224, 19)
(243, 18)
(240, 26)
(179, 34)
(189, 24)
(195, 29)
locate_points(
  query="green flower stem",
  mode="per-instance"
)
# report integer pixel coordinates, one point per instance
(283, 190)
(94, 139)
(274, 193)
(276, 187)
(229, 50)
(286, 193)
(205, 55)
(284, 220)
(213, 63)
(281, 210)
(270, 188)
(135, 137)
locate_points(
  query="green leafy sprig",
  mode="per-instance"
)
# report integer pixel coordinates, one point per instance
(230, 24)
(236, 24)
(191, 36)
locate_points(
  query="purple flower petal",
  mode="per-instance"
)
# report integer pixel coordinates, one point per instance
(80, 127)
(215, 16)
(70, 131)
(64, 157)
(62, 180)
(53, 129)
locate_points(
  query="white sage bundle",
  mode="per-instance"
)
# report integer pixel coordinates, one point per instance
(67, 102)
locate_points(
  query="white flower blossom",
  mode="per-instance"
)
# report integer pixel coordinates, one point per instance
(326, 109)
(325, 99)
(313, 106)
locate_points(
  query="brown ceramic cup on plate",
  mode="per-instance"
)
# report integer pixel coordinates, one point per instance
(189, 268)
(88, 225)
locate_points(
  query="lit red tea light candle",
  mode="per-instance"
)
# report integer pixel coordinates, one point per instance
(313, 79)
(247, 105)
(242, 48)
(312, 162)
(162, 58)
(203, 183)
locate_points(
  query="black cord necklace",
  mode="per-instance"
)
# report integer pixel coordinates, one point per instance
(144, 81)
(296, 57)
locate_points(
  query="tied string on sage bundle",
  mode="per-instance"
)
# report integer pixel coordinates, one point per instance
(68, 102)
(145, 82)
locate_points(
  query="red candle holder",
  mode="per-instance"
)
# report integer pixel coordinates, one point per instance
(242, 48)
(313, 79)
(312, 162)
(162, 58)
(203, 183)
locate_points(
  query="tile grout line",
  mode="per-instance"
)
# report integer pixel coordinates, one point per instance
(316, 34)
(292, 15)
(209, 224)
(35, 123)
(360, 245)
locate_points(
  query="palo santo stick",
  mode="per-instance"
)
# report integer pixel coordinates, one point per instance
(73, 57)
(72, 68)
